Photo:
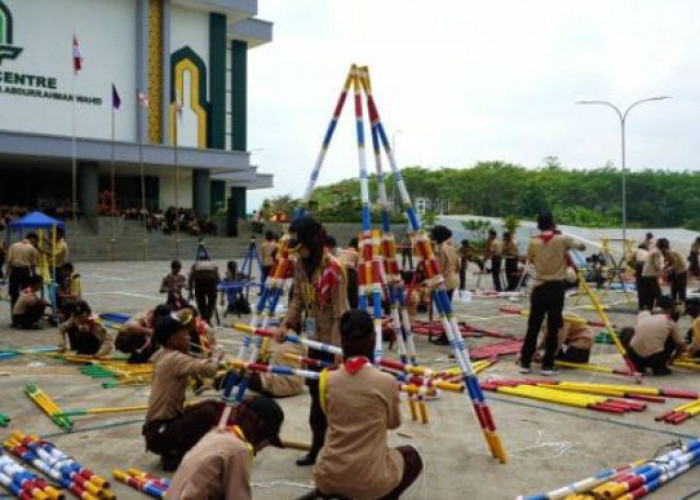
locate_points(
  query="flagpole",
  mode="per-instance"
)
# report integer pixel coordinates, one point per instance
(112, 188)
(144, 212)
(74, 170)
(177, 186)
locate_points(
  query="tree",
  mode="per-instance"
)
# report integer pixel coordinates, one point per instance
(477, 228)
(511, 223)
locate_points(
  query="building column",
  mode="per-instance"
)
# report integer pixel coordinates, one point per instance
(239, 96)
(88, 188)
(217, 81)
(201, 192)
(235, 209)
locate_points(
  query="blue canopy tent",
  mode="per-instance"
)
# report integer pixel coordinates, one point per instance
(38, 222)
(31, 222)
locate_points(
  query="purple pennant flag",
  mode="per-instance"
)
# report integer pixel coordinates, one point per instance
(116, 100)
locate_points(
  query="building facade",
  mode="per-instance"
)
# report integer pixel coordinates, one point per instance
(182, 142)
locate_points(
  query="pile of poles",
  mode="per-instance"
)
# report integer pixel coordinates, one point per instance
(48, 406)
(143, 481)
(598, 397)
(680, 413)
(58, 466)
(630, 481)
(24, 484)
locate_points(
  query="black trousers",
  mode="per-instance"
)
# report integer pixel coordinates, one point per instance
(496, 272)
(317, 419)
(512, 277)
(30, 318)
(205, 294)
(175, 437)
(649, 292)
(679, 283)
(17, 279)
(83, 342)
(574, 355)
(657, 362)
(638, 282)
(463, 274)
(546, 299)
(353, 288)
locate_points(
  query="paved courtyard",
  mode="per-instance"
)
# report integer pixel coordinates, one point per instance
(548, 445)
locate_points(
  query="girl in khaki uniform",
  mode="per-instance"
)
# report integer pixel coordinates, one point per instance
(319, 299)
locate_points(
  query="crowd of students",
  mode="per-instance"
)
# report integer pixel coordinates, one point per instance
(211, 451)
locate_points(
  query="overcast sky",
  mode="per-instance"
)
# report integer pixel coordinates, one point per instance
(461, 81)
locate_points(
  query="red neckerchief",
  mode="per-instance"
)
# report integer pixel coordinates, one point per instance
(330, 275)
(547, 236)
(354, 365)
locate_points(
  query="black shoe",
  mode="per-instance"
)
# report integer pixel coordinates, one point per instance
(306, 460)
(442, 340)
(170, 463)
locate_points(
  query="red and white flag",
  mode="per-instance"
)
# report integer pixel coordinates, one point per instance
(77, 58)
(142, 99)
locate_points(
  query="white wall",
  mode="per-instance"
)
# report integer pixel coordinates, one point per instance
(190, 28)
(167, 189)
(106, 31)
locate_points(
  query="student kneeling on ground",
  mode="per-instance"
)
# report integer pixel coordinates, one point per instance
(85, 332)
(692, 308)
(656, 339)
(574, 341)
(29, 308)
(361, 404)
(219, 465)
(171, 429)
(135, 337)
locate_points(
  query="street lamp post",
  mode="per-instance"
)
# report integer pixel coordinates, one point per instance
(623, 121)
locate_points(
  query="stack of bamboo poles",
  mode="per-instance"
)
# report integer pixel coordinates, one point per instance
(687, 363)
(680, 413)
(23, 483)
(48, 406)
(598, 397)
(66, 471)
(631, 481)
(143, 481)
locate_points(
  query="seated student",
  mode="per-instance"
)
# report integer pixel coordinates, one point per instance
(355, 461)
(173, 283)
(656, 339)
(29, 308)
(85, 332)
(692, 308)
(219, 465)
(171, 429)
(69, 290)
(202, 335)
(134, 337)
(575, 340)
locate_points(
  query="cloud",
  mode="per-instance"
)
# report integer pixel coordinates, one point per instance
(471, 80)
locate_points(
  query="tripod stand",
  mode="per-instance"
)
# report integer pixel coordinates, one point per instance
(246, 271)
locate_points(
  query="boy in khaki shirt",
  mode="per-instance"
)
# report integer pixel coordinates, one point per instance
(656, 339)
(171, 429)
(361, 405)
(219, 465)
(85, 332)
(29, 308)
(548, 253)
